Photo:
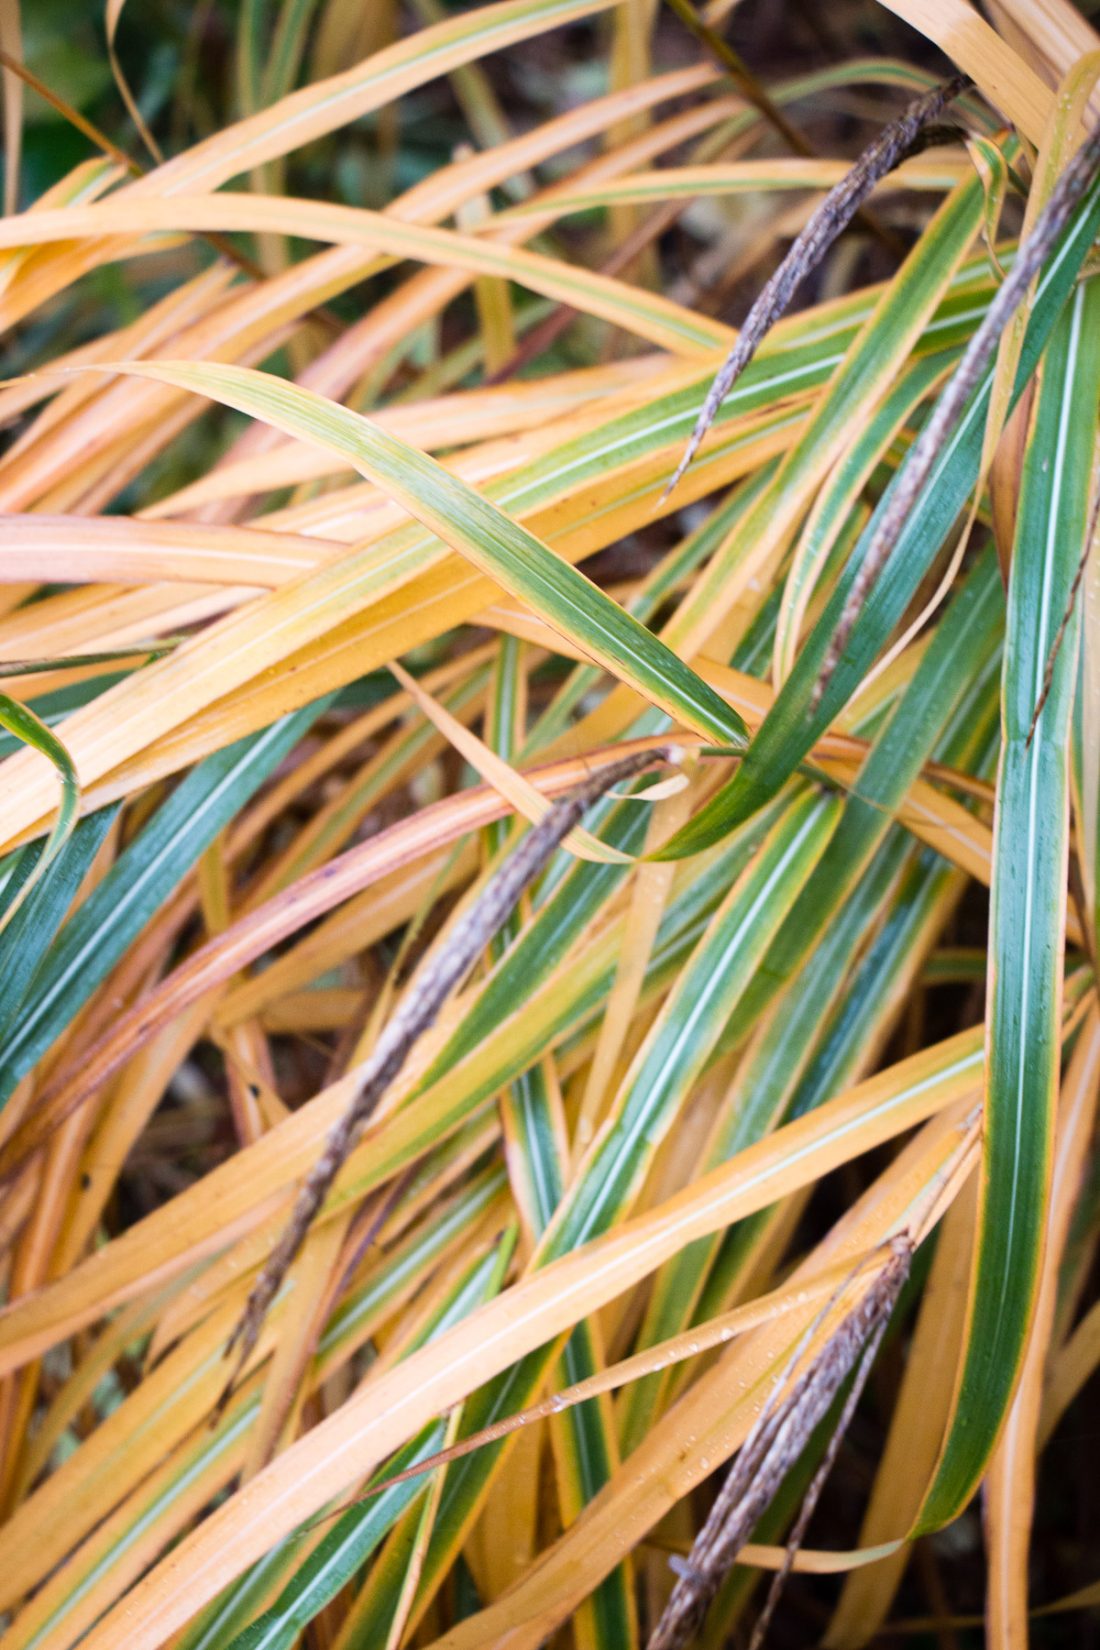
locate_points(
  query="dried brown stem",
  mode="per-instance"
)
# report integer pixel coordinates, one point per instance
(741, 75)
(1067, 614)
(15, 66)
(756, 94)
(817, 1483)
(1067, 194)
(440, 973)
(774, 1444)
(832, 217)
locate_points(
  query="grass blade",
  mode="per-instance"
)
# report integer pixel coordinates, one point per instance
(1028, 910)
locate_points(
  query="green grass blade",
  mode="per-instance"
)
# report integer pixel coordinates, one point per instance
(655, 590)
(842, 491)
(21, 721)
(1027, 912)
(965, 640)
(471, 524)
(24, 943)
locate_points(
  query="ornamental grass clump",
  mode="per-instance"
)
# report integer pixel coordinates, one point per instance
(550, 624)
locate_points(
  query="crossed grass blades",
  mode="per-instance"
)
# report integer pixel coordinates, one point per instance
(502, 1151)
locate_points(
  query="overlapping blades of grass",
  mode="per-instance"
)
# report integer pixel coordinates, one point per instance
(807, 962)
(793, 725)
(634, 1105)
(137, 885)
(500, 547)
